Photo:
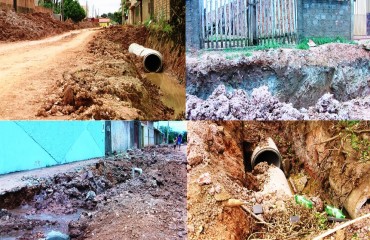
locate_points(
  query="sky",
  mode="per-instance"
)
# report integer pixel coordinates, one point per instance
(101, 6)
(179, 126)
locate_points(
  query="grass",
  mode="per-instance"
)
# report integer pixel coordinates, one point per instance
(303, 44)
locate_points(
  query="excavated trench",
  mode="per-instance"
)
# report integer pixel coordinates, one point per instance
(329, 82)
(54, 203)
(319, 160)
(301, 86)
(141, 189)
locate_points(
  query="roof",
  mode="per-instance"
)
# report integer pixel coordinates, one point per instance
(104, 20)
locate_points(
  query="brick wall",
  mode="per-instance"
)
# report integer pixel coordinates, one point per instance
(325, 18)
(193, 25)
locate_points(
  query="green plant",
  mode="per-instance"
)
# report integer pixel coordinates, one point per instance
(271, 45)
(321, 220)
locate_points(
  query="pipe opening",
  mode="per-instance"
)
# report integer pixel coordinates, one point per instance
(266, 151)
(268, 156)
(152, 63)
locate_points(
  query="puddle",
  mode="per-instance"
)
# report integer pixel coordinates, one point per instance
(62, 222)
(173, 92)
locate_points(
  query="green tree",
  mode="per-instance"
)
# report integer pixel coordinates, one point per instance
(73, 10)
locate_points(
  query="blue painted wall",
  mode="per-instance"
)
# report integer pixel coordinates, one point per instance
(26, 145)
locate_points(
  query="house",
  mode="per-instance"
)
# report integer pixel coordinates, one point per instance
(104, 22)
(141, 11)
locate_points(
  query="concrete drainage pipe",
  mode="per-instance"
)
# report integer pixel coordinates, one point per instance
(266, 151)
(357, 199)
(152, 59)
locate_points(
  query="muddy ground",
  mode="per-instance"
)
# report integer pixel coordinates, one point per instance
(317, 158)
(104, 200)
(111, 84)
(326, 82)
(33, 26)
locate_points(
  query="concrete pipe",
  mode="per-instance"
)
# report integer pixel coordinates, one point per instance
(152, 59)
(357, 199)
(276, 183)
(266, 151)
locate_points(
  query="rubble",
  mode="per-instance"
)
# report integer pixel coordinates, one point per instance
(262, 105)
(83, 201)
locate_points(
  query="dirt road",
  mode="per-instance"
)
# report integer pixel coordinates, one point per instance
(27, 69)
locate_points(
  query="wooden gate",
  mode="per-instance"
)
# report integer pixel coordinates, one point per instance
(241, 23)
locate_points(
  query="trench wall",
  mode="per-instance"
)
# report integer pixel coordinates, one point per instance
(325, 18)
(27, 145)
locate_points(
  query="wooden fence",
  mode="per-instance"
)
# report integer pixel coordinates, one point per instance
(241, 23)
(23, 6)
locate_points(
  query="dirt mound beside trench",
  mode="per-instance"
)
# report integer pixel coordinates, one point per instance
(262, 105)
(32, 26)
(109, 87)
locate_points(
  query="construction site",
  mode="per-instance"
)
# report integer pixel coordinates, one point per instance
(278, 60)
(68, 70)
(278, 180)
(122, 183)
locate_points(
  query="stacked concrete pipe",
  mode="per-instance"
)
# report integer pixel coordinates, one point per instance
(152, 59)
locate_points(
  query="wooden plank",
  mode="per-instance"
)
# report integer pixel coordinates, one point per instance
(230, 25)
(203, 27)
(221, 24)
(237, 23)
(216, 22)
(246, 27)
(211, 20)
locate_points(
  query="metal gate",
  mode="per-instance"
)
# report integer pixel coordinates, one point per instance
(241, 23)
(361, 18)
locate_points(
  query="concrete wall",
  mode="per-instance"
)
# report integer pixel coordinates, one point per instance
(325, 18)
(193, 24)
(27, 145)
(122, 135)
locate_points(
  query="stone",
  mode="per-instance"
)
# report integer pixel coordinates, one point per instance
(90, 195)
(204, 179)
(54, 235)
(257, 209)
(294, 219)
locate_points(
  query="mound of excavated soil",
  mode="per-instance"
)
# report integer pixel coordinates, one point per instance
(32, 26)
(262, 105)
(109, 88)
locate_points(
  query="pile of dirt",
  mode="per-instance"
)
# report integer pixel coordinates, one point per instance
(32, 26)
(262, 105)
(296, 77)
(108, 88)
(106, 195)
(318, 152)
